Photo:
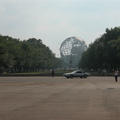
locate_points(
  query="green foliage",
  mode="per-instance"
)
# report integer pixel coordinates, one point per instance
(25, 56)
(104, 52)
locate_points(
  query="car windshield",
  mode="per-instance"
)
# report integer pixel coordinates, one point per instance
(77, 72)
(74, 72)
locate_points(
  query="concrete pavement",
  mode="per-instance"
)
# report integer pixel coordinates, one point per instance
(59, 98)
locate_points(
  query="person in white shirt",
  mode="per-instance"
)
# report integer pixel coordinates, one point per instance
(116, 75)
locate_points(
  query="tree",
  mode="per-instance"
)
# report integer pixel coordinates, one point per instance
(104, 52)
(25, 56)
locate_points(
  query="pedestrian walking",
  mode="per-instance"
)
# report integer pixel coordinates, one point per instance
(53, 72)
(116, 75)
(104, 72)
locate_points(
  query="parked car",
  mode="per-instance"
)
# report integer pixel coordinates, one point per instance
(77, 73)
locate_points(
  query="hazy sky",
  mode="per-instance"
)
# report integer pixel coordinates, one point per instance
(55, 20)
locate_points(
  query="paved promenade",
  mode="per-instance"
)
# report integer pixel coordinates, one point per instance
(59, 98)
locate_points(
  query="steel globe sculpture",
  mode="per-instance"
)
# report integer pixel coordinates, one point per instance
(71, 50)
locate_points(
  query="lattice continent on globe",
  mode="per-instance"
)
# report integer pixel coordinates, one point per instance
(71, 50)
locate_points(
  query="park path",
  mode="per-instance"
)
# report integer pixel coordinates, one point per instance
(58, 98)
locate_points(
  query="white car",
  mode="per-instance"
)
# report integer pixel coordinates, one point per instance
(77, 73)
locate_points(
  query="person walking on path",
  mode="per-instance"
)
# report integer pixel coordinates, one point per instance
(53, 72)
(116, 75)
(104, 72)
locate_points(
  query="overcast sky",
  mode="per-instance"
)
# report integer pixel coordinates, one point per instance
(55, 20)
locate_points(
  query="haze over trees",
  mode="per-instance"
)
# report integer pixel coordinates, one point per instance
(104, 52)
(25, 56)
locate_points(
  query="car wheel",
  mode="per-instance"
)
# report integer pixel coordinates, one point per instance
(67, 77)
(71, 76)
(85, 76)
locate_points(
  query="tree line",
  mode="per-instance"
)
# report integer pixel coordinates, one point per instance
(104, 52)
(32, 55)
(25, 56)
